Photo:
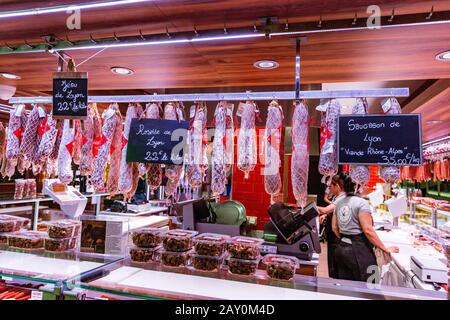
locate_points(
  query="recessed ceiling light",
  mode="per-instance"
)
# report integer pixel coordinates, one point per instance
(9, 75)
(266, 64)
(122, 71)
(443, 56)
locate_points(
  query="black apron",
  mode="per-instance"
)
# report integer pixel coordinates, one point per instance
(332, 242)
(355, 261)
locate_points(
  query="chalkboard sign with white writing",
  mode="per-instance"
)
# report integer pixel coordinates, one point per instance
(157, 141)
(70, 98)
(394, 140)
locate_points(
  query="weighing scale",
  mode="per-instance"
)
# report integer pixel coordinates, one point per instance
(429, 269)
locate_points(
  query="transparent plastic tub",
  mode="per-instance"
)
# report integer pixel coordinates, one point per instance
(144, 255)
(206, 263)
(27, 239)
(60, 245)
(147, 237)
(178, 240)
(10, 223)
(174, 259)
(210, 244)
(244, 247)
(62, 229)
(280, 267)
(242, 267)
(4, 239)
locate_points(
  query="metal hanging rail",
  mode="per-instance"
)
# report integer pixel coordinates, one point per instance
(238, 96)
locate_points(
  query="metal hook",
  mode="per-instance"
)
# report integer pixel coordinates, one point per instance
(9, 47)
(71, 42)
(141, 35)
(255, 29)
(430, 14)
(392, 16)
(92, 39)
(286, 26)
(168, 34)
(355, 19)
(196, 32)
(320, 22)
(225, 29)
(116, 38)
(29, 45)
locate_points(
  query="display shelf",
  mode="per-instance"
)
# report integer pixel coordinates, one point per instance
(154, 210)
(152, 281)
(46, 267)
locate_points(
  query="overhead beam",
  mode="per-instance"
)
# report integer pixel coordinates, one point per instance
(228, 34)
(239, 96)
(438, 88)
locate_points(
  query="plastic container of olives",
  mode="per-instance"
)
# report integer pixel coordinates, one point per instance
(147, 237)
(242, 267)
(280, 267)
(144, 255)
(210, 244)
(244, 247)
(178, 240)
(62, 229)
(173, 259)
(206, 263)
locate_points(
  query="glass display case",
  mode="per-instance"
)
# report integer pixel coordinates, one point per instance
(125, 279)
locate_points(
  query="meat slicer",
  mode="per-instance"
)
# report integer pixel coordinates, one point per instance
(297, 231)
(71, 201)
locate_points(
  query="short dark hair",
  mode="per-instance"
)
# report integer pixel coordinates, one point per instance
(344, 181)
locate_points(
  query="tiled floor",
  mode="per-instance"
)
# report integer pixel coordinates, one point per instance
(322, 270)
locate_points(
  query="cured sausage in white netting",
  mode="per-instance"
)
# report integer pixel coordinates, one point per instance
(328, 164)
(109, 125)
(197, 159)
(49, 133)
(15, 133)
(247, 150)
(360, 174)
(154, 172)
(126, 168)
(88, 132)
(218, 155)
(29, 144)
(65, 172)
(112, 185)
(229, 155)
(271, 148)
(390, 174)
(173, 112)
(77, 142)
(300, 153)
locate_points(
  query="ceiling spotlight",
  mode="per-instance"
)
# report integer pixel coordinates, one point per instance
(434, 121)
(10, 76)
(266, 64)
(443, 56)
(122, 71)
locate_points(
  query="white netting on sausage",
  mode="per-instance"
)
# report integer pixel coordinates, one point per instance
(126, 168)
(247, 149)
(65, 172)
(300, 153)
(218, 161)
(271, 148)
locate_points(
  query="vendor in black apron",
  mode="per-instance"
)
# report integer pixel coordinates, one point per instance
(352, 223)
(336, 188)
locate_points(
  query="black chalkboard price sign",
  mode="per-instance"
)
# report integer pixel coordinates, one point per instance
(157, 141)
(70, 95)
(394, 140)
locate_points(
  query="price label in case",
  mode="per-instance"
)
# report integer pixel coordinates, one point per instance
(36, 295)
(7, 278)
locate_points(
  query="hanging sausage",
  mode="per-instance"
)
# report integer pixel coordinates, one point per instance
(300, 153)
(17, 123)
(47, 130)
(390, 174)
(328, 164)
(29, 144)
(247, 150)
(109, 125)
(360, 174)
(112, 184)
(229, 137)
(3, 131)
(90, 131)
(77, 141)
(271, 142)
(65, 172)
(126, 170)
(218, 155)
(197, 160)
(154, 172)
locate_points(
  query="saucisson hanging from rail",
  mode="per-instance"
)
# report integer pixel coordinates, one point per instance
(247, 149)
(271, 148)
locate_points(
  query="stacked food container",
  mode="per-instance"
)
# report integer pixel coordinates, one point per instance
(10, 225)
(177, 245)
(209, 251)
(244, 255)
(62, 235)
(25, 189)
(280, 267)
(147, 242)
